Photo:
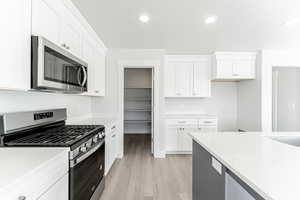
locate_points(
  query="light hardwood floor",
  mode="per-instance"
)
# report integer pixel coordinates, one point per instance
(138, 176)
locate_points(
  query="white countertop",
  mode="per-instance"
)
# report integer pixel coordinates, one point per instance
(106, 121)
(269, 167)
(18, 162)
(190, 115)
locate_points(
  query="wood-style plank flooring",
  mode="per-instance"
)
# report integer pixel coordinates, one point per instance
(138, 176)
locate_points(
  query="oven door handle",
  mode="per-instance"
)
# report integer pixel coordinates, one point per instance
(76, 161)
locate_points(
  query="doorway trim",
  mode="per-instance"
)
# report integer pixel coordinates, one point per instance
(267, 60)
(155, 66)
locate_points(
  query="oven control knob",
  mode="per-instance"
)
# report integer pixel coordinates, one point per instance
(103, 134)
(95, 139)
(100, 136)
(83, 149)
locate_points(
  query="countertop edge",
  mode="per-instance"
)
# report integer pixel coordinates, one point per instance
(228, 166)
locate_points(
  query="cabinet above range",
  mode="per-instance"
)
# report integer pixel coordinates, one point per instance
(187, 76)
(234, 66)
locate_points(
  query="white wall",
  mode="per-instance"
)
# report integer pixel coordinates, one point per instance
(223, 103)
(249, 102)
(77, 106)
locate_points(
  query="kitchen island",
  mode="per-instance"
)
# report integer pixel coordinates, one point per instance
(249, 166)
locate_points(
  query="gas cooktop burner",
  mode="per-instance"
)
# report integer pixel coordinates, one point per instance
(59, 136)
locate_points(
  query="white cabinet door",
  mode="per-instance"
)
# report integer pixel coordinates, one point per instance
(201, 79)
(96, 68)
(46, 20)
(224, 69)
(89, 56)
(244, 69)
(108, 149)
(169, 80)
(172, 139)
(99, 85)
(71, 33)
(183, 79)
(114, 146)
(59, 191)
(15, 17)
(234, 66)
(185, 141)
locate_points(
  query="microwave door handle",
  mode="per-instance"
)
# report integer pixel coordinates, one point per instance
(85, 76)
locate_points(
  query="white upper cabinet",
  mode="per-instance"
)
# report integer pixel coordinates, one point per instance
(56, 20)
(15, 16)
(100, 73)
(234, 66)
(46, 19)
(96, 68)
(187, 76)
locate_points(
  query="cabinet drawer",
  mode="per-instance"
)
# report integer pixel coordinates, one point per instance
(183, 123)
(34, 184)
(207, 122)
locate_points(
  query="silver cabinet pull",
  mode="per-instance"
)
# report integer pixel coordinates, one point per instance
(22, 198)
(96, 91)
(181, 122)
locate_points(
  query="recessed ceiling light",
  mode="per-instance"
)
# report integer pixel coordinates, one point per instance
(144, 18)
(211, 19)
(292, 22)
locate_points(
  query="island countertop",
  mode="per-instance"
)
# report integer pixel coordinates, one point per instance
(269, 167)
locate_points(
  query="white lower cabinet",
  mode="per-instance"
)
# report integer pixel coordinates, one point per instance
(59, 191)
(46, 182)
(110, 147)
(178, 140)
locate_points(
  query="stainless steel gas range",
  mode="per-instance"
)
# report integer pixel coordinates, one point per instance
(47, 128)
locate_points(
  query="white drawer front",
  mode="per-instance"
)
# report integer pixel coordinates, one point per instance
(184, 123)
(207, 122)
(33, 185)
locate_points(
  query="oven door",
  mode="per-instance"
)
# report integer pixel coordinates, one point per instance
(54, 68)
(87, 174)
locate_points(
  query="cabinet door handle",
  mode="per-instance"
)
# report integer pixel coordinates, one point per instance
(22, 198)
(96, 91)
(113, 136)
(181, 122)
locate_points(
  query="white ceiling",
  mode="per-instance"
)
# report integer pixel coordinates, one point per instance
(178, 25)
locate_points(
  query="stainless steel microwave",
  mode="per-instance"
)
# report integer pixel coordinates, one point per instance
(55, 69)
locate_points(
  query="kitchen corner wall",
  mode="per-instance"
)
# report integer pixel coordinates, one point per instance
(77, 106)
(222, 103)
